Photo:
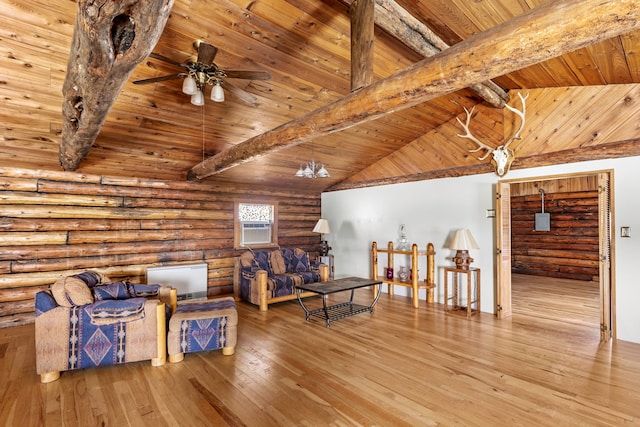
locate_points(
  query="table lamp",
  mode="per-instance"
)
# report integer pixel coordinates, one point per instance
(463, 241)
(322, 227)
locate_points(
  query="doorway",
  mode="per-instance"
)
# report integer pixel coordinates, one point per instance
(604, 180)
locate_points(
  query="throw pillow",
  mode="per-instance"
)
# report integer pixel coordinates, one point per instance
(277, 262)
(116, 290)
(92, 278)
(70, 291)
(246, 259)
(300, 261)
(262, 260)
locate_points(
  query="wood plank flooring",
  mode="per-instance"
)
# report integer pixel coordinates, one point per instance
(396, 367)
(563, 300)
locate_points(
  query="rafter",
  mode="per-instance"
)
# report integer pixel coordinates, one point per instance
(109, 40)
(398, 22)
(548, 31)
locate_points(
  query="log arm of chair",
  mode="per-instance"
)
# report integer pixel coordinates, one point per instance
(162, 334)
(169, 296)
(261, 281)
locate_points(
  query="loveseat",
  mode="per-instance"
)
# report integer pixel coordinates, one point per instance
(84, 320)
(267, 276)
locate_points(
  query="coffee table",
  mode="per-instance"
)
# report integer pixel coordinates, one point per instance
(343, 309)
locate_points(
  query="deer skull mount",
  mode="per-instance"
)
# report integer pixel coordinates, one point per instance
(502, 156)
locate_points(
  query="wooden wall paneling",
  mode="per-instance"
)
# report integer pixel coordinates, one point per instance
(556, 185)
(629, 41)
(56, 224)
(570, 249)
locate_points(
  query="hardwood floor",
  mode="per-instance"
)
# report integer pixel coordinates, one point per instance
(563, 300)
(396, 367)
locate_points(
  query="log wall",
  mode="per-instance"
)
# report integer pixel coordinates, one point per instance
(55, 224)
(570, 249)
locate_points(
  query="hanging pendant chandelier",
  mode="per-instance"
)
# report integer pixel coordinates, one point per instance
(312, 169)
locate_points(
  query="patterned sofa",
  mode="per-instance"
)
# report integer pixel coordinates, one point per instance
(267, 276)
(85, 321)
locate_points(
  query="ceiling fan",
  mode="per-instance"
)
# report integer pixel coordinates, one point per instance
(202, 71)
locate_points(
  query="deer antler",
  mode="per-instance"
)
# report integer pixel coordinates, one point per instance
(520, 114)
(468, 135)
(502, 155)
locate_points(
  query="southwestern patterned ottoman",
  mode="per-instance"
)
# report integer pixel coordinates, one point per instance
(202, 325)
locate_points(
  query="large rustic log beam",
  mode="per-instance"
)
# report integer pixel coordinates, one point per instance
(545, 32)
(110, 39)
(362, 37)
(395, 20)
(614, 150)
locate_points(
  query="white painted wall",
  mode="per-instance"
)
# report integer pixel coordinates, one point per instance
(433, 209)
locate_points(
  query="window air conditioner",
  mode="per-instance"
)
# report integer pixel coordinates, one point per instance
(256, 232)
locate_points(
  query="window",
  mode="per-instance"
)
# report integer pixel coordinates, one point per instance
(255, 224)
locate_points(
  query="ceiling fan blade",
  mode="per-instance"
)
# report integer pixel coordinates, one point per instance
(159, 79)
(241, 94)
(206, 53)
(250, 75)
(165, 59)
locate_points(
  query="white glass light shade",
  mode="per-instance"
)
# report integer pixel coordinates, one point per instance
(189, 86)
(300, 172)
(463, 240)
(307, 172)
(322, 173)
(322, 226)
(217, 93)
(197, 98)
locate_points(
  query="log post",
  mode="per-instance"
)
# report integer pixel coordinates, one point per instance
(110, 39)
(362, 37)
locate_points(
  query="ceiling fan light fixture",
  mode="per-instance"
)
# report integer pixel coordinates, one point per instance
(189, 86)
(197, 98)
(217, 93)
(300, 172)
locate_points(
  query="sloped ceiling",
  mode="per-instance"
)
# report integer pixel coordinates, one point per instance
(584, 99)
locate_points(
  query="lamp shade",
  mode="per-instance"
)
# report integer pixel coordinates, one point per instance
(322, 226)
(463, 240)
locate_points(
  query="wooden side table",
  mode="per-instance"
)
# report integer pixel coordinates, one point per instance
(452, 303)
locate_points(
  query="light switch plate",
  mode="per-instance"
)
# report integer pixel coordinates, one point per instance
(625, 231)
(491, 213)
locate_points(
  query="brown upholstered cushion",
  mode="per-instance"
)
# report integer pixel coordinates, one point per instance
(277, 262)
(246, 259)
(70, 291)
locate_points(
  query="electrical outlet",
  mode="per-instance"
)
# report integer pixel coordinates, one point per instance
(625, 231)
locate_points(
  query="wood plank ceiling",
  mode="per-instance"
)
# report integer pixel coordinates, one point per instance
(583, 99)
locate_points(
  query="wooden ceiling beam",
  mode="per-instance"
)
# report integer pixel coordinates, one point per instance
(613, 150)
(398, 22)
(361, 13)
(548, 31)
(109, 40)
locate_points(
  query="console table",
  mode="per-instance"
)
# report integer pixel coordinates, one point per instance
(472, 292)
